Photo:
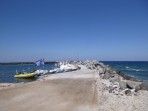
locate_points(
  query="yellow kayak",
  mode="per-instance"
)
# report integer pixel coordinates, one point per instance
(26, 75)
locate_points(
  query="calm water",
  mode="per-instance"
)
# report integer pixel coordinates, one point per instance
(7, 72)
(136, 69)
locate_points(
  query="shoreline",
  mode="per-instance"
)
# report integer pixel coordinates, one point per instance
(92, 65)
(92, 88)
(127, 75)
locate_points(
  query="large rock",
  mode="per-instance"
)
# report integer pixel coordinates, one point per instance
(101, 75)
(122, 84)
(132, 84)
(109, 70)
(114, 79)
(144, 86)
(106, 76)
(128, 92)
(137, 88)
(90, 65)
(100, 69)
(110, 89)
(96, 63)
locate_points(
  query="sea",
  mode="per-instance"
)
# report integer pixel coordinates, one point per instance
(7, 72)
(137, 69)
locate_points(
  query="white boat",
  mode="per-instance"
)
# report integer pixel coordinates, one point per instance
(56, 70)
(64, 67)
(41, 72)
(68, 67)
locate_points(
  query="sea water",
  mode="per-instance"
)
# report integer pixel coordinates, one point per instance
(137, 69)
(7, 72)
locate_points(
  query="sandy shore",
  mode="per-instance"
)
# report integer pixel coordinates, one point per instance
(81, 90)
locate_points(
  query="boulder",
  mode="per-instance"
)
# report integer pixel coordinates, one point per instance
(89, 66)
(137, 88)
(144, 86)
(110, 89)
(96, 63)
(116, 86)
(129, 87)
(100, 69)
(109, 70)
(128, 92)
(117, 93)
(122, 84)
(114, 72)
(101, 75)
(106, 76)
(133, 84)
(114, 78)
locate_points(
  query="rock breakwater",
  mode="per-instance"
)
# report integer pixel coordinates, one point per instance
(118, 83)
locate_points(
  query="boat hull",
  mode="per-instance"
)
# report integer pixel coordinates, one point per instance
(27, 75)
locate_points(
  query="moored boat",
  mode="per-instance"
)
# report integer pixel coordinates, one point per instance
(25, 75)
(64, 67)
(68, 67)
(41, 72)
(56, 70)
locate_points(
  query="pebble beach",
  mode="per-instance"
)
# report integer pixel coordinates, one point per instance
(95, 87)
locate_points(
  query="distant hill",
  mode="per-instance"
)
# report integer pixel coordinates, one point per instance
(18, 63)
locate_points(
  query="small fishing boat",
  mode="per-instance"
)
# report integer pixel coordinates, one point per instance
(25, 75)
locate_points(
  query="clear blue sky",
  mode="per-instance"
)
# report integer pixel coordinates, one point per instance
(67, 29)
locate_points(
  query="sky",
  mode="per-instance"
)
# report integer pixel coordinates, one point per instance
(106, 30)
